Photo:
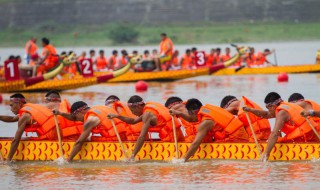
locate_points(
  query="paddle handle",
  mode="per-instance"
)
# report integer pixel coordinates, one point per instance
(175, 136)
(1, 157)
(118, 136)
(59, 135)
(253, 134)
(313, 128)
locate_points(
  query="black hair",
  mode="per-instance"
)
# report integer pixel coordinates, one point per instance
(146, 51)
(171, 100)
(63, 53)
(53, 92)
(92, 51)
(135, 52)
(164, 34)
(101, 51)
(225, 100)
(113, 97)
(135, 99)
(11, 57)
(271, 97)
(295, 97)
(114, 52)
(218, 49)
(194, 49)
(188, 51)
(193, 104)
(124, 52)
(18, 57)
(77, 105)
(18, 95)
(46, 41)
(70, 52)
(267, 50)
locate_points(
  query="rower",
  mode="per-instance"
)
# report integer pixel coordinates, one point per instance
(155, 117)
(32, 117)
(288, 121)
(215, 122)
(176, 103)
(49, 59)
(166, 51)
(133, 130)
(31, 48)
(260, 125)
(95, 120)
(261, 58)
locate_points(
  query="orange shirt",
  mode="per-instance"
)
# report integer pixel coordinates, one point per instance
(164, 47)
(102, 63)
(260, 58)
(210, 59)
(226, 57)
(33, 48)
(250, 59)
(112, 61)
(187, 61)
(52, 58)
(175, 61)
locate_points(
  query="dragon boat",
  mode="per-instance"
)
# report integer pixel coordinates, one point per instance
(159, 151)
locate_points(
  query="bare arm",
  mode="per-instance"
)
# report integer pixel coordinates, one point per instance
(45, 56)
(306, 113)
(128, 120)
(259, 113)
(68, 116)
(23, 121)
(87, 127)
(281, 118)
(147, 119)
(9, 119)
(184, 115)
(203, 129)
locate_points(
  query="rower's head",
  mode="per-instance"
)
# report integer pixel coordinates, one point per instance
(101, 53)
(193, 106)
(79, 109)
(172, 101)
(295, 97)
(163, 36)
(115, 52)
(212, 51)
(193, 49)
(111, 99)
(231, 104)
(34, 39)
(227, 50)
(52, 97)
(136, 105)
(218, 51)
(92, 53)
(267, 52)
(188, 52)
(45, 41)
(16, 102)
(272, 101)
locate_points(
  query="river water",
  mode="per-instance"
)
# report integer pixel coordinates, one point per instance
(218, 174)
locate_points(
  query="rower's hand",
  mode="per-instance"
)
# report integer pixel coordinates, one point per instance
(304, 113)
(264, 157)
(111, 116)
(56, 112)
(246, 109)
(174, 112)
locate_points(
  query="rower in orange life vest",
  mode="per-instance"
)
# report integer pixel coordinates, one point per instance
(132, 131)
(31, 116)
(50, 57)
(101, 61)
(309, 106)
(31, 48)
(95, 120)
(261, 57)
(214, 122)
(155, 117)
(288, 121)
(123, 59)
(211, 57)
(186, 61)
(227, 55)
(250, 58)
(218, 57)
(113, 63)
(176, 103)
(166, 51)
(175, 61)
(261, 126)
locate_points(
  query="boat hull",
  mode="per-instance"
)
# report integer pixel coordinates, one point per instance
(160, 151)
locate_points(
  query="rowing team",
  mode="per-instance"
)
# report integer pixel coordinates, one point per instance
(236, 120)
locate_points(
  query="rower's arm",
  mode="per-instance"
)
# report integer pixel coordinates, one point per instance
(184, 115)
(128, 120)
(23, 121)
(311, 113)
(45, 56)
(9, 119)
(259, 113)
(91, 122)
(203, 129)
(168, 48)
(68, 116)
(147, 119)
(281, 118)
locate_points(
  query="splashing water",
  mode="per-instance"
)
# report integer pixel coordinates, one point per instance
(61, 161)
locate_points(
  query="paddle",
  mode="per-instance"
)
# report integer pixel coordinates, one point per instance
(313, 128)
(59, 136)
(253, 134)
(275, 58)
(1, 157)
(175, 137)
(239, 68)
(119, 139)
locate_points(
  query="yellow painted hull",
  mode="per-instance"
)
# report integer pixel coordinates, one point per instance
(49, 150)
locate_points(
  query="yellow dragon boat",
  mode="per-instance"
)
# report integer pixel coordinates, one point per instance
(160, 151)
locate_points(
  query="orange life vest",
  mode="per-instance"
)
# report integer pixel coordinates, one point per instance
(316, 107)
(113, 61)
(190, 127)
(250, 59)
(164, 122)
(226, 57)
(226, 128)
(70, 130)
(164, 46)
(297, 128)
(102, 63)
(260, 126)
(260, 58)
(187, 61)
(210, 59)
(175, 61)
(133, 131)
(123, 61)
(105, 128)
(52, 58)
(33, 48)
(218, 59)
(44, 126)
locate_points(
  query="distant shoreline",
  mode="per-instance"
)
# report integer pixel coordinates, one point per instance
(201, 33)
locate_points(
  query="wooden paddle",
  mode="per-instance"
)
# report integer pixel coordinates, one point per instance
(59, 136)
(118, 136)
(313, 128)
(275, 58)
(253, 134)
(175, 137)
(1, 157)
